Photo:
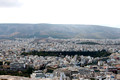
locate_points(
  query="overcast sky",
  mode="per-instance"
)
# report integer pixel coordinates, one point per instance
(96, 12)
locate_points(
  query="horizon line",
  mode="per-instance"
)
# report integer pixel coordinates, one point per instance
(64, 24)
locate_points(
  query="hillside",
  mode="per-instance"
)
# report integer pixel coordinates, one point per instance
(58, 31)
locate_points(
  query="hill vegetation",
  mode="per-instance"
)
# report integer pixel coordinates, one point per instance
(102, 53)
(58, 31)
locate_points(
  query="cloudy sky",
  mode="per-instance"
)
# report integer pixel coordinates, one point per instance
(96, 12)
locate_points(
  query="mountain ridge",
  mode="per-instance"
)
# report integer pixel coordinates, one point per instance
(45, 30)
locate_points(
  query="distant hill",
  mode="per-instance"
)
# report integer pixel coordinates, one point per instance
(58, 31)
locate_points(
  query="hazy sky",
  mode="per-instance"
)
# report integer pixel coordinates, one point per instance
(97, 12)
